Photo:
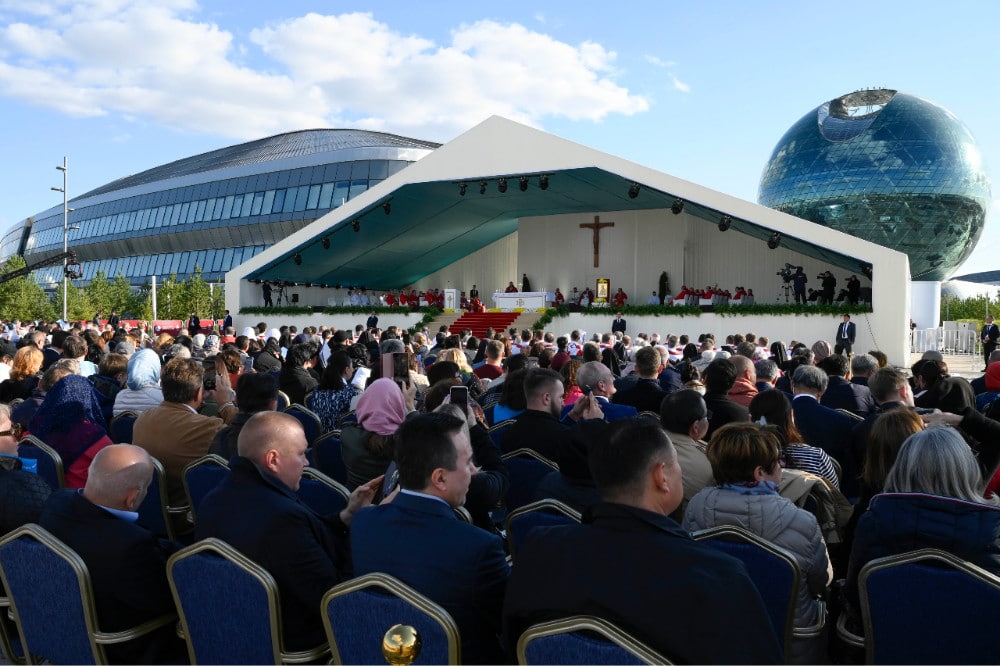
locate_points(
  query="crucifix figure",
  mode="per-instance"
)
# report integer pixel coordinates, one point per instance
(597, 225)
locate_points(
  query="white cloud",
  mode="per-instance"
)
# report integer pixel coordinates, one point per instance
(158, 63)
(680, 85)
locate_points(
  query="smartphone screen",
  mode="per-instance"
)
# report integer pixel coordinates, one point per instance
(401, 366)
(460, 397)
(208, 379)
(532, 361)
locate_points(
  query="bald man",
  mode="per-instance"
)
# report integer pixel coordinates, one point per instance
(255, 509)
(127, 563)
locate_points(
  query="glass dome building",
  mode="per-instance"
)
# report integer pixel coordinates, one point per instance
(214, 210)
(888, 167)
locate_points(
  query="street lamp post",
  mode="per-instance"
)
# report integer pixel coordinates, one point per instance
(65, 174)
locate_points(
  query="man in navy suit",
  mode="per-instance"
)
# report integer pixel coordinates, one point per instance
(989, 335)
(418, 539)
(255, 510)
(601, 381)
(823, 427)
(646, 394)
(845, 336)
(840, 392)
(126, 562)
(618, 324)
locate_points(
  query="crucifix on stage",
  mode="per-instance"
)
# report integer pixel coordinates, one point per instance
(597, 225)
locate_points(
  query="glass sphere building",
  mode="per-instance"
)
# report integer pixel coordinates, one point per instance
(214, 210)
(889, 167)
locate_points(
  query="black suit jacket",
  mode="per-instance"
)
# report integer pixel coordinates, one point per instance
(618, 325)
(306, 553)
(646, 396)
(842, 394)
(641, 571)
(561, 443)
(723, 411)
(831, 431)
(127, 566)
(850, 332)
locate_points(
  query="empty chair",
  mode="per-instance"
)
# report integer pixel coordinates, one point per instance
(583, 639)
(328, 458)
(49, 462)
(543, 513)
(525, 468)
(283, 401)
(52, 600)
(201, 476)
(311, 423)
(229, 608)
(773, 570)
(357, 614)
(321, 493)
(155, 512)
(929, 607)
(120, 429)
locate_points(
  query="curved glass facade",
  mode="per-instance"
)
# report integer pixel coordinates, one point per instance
(889, 167)
(215, 210)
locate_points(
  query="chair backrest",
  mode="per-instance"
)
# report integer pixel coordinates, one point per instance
(51, 597)
(50, 464)
(929, 607)
(773, 570)
(583, 639)
(328, 458)
(201, 476)
(321, 493)
(121, 426)
(311, 423)
(543, 513)
(497, 431)
(357, 614)
(525, 469)
(283, 401)
(228, 605)
(154, 512)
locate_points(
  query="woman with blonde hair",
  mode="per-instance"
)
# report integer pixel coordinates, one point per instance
(24, 374)
(469, 379)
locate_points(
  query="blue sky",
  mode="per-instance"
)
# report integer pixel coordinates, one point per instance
(702, 91)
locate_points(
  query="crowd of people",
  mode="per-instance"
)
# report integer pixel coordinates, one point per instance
(839, 458)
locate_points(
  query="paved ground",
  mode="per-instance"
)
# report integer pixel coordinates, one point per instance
(960, 365)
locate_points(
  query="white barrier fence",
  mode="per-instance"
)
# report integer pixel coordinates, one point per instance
(946, 340)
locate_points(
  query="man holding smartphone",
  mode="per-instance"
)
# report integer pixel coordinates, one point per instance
(596, 379)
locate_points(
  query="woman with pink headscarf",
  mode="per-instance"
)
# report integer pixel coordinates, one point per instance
(367, 446)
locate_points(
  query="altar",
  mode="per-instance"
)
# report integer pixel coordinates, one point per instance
(527, 300)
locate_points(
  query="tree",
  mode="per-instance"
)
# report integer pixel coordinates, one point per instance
(139, 303)
(169, 299)
(77, 305)
(23, 298)
(99, 294)
(121, 294)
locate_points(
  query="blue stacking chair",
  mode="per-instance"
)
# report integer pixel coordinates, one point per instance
(543, 513)
(328, 458)
(52, 601)
(321, 493)
(773, 570)
(498, 430)
(201, 476)
(929, 607)
(283, 400)
(229, 608)
(525, 468)
(121, 426)
(583, 639)
(311, 423)
(357, 614)
(48, 460)
(154, 512)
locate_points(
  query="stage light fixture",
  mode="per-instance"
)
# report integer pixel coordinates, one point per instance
(633, 191)
(677, 207)
(462, 187)
(543, 182)
(297, 258)
(387, 207)
(774, 241)
(502, 185)
(356, 225)
(482, 187)
(522, 183)
(725, 223)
